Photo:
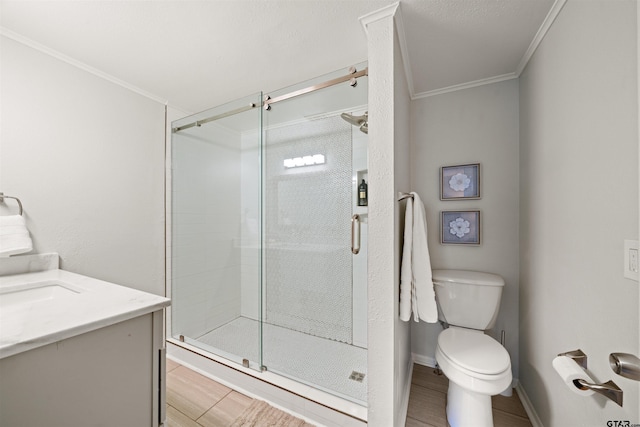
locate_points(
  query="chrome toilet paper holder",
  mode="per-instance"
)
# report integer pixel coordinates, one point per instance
(610, 390)
(578, 356)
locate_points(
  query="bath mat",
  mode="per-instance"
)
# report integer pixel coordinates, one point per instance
(260, 414)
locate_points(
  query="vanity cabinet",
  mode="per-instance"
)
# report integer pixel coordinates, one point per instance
(110, 376)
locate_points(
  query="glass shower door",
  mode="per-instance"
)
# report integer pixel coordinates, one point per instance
(264, 206)
(310, 329)
(216, 230)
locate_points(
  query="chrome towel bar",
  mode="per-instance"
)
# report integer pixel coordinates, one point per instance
(2, 197)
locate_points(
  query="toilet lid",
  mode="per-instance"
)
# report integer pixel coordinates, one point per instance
(474, 351)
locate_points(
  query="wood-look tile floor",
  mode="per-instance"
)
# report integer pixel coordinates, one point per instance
(427, 403)
(194, 400)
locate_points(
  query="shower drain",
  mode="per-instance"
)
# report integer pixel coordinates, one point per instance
(356, 376)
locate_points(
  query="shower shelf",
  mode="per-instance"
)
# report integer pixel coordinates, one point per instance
(361, 210)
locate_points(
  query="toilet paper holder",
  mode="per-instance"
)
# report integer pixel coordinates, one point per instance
(578, 356)
(610, 390)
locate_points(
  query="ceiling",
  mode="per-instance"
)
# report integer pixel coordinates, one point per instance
(198, 54)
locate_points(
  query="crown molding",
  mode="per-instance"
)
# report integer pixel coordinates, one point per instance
(376, 15)
(467, 85)
(404, 50)
(393, 11)
(542, 31)
(5, 32)
(533, 46)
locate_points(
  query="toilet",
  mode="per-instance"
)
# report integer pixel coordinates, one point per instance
(476, 365)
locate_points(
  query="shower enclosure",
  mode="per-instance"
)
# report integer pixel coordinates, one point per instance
(268, 244)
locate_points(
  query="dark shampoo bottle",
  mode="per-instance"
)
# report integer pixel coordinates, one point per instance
(363, 197)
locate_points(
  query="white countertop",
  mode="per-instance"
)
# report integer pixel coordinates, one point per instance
(91, 304)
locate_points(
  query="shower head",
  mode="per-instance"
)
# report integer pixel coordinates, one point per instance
(361, 121)
(354, 120)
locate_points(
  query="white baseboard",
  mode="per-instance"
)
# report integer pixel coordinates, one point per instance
(528, 407)
(404, 406)
(423, 360)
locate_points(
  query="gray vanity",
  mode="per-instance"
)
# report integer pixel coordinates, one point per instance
(77, 351)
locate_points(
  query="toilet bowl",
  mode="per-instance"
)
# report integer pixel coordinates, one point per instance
(477, 367)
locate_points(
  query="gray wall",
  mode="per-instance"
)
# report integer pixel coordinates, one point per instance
(86, 157)
(579, 201)
(470, 126)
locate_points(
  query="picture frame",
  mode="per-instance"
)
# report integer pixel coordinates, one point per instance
(460, 227)
(460, 182)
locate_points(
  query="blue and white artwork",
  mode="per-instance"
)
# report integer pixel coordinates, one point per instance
(460, 182)
(460, 227)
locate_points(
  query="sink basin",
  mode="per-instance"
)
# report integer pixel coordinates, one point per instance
(36, 292)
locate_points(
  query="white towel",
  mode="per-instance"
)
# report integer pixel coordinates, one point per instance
(416, 283)
(12, 220)
(13, 229)
(406, 273)
(14, 236)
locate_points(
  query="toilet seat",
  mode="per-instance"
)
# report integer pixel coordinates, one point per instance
(474, 353)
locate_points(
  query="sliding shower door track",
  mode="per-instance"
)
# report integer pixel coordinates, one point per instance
(351, 77)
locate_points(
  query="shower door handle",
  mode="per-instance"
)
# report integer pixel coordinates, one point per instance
(355, 243)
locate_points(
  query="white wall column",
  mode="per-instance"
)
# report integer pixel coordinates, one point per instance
(389, 364)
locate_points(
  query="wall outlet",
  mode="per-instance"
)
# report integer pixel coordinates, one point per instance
(631, 261)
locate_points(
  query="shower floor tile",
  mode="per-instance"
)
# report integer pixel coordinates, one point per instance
(318, 362)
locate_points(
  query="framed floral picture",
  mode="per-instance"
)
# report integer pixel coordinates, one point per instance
(460, 227)
(461, 182)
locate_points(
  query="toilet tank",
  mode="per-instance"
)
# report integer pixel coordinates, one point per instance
(470, 299)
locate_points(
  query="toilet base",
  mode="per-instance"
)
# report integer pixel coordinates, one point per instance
(466, 408)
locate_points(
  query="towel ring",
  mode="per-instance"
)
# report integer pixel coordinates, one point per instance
(2, 197)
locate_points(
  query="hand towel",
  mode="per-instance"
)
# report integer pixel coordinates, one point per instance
(416, 282)
(406, 273)
(14, 236)
(425, 295)
(12, 220)
(13, 229)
